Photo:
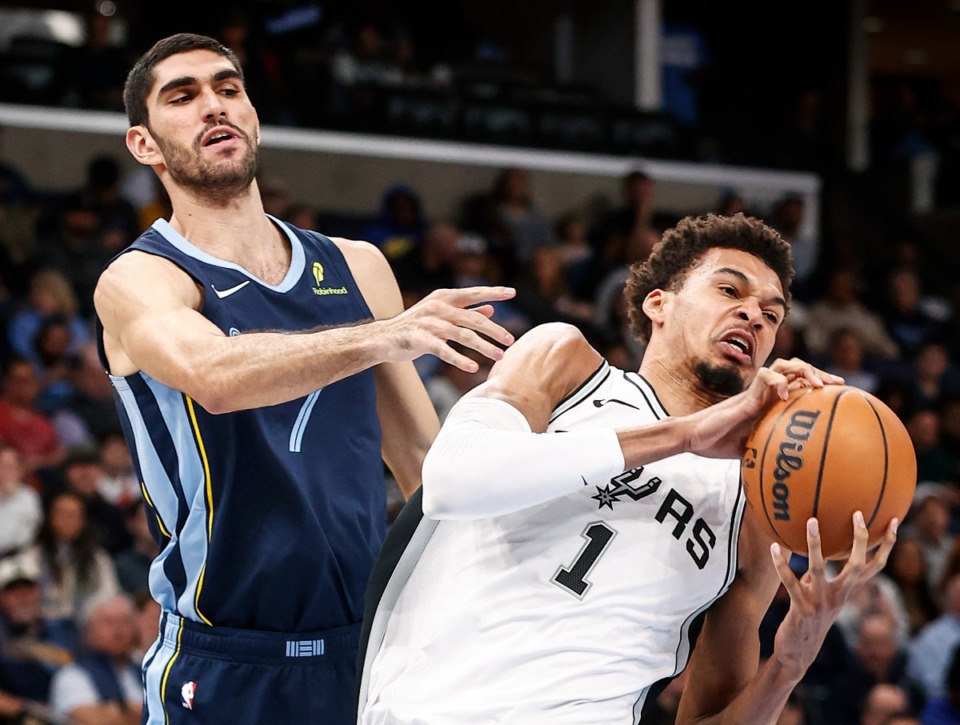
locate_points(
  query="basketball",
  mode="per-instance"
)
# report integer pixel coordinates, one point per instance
(828, 452)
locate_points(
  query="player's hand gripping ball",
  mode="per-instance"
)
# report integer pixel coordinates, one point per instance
(828, 452)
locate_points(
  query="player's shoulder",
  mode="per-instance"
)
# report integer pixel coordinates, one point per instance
(555, 352)
(135, 273)
(363, 258)
(559, 339)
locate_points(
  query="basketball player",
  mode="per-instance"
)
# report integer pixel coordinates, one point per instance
(577, 519)
(259, 450)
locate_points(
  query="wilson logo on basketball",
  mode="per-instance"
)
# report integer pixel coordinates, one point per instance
(790, 460)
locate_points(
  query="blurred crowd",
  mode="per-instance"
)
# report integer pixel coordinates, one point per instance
(75, 545)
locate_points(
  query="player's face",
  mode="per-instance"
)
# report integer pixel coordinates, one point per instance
(724, 318)
(203, 123)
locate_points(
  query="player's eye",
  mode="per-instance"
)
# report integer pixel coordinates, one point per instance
(729, 291)
(772, 316)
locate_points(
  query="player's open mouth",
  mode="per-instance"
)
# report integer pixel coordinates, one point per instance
(738, 345)
(218, 135)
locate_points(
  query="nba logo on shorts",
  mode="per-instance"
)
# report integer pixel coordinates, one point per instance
(187, 691)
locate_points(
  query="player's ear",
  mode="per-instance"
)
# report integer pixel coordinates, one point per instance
(654, 305)
(143, 147)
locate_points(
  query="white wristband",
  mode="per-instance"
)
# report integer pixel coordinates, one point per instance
(487, 462)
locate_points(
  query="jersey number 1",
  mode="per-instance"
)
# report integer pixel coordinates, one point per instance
(574, 577)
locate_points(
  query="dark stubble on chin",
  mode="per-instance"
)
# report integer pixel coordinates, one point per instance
(721, 380)
(218, 183)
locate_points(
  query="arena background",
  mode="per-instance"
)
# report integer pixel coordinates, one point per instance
(837, 122)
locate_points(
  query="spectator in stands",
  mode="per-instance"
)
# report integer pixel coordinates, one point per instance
(28, 657)
(95, 71)
(841, 308)
(82, 474)
(73, 240)
(622, 235)
(432, 267)
(787, 217)
(262, 70)
(880, 596)
(401, 224)
(908, 570)
(543, 295)
(51, 296)
(527, 228)
(933, 376)
(119, 223)
(949, 411)
(928, 522)
(118, 483)
(471, 267)
(933, 461)
(908, 320)
(882, 702)
(148, 622)
(76, 570)
(879, 657)
(21, 424)
(103, 685)
(846, 360)
(91, 406)
(133, 563)
(20, 509)
(931, 650)
(945, 709)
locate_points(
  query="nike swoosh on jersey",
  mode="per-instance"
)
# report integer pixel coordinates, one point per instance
(603, 401)
(227, 292)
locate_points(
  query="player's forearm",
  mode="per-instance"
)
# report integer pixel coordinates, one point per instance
(653, 442)
(759, 703)
(260, 369)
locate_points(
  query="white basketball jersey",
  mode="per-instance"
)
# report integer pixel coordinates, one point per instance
(566, 612)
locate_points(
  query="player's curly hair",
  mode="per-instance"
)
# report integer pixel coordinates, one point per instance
(141, 78)
(682, 247)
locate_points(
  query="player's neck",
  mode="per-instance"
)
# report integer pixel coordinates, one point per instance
(675, 384)
(224, 228)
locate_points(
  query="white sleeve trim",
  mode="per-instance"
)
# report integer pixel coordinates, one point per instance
(486, 461)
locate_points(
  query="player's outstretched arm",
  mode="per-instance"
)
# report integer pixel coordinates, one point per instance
(157, 328)
(724, 684)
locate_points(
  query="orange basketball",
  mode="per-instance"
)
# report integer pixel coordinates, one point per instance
(828, 452)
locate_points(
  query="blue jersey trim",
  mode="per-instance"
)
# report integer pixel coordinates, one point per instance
(162, 226)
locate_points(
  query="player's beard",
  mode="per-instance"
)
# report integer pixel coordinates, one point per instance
(721, 380)
(218, 182)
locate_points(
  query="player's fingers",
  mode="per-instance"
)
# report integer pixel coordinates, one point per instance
(817, 566)
(784, 571)
(879, 560)
(450, 356)
(796, 368)
(485, 310)
(469, 338)
(858, 553)
(472, 320)
(768, 379)
(469, 296)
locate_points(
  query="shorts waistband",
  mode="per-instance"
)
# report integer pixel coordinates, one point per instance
(249, 645)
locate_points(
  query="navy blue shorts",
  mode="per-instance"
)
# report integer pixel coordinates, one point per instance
(199, 675)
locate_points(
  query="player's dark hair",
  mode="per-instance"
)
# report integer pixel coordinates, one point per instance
(141, 78)
(681, 248)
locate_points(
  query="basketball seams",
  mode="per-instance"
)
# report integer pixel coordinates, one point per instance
(823, 452)
(886, 460)
(763, 461)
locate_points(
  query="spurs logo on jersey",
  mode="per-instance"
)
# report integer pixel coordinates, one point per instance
(588, 598)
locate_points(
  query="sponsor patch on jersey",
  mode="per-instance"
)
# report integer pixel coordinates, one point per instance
(318, 275)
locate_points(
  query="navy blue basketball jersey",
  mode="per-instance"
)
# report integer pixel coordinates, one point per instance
(270, 518)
